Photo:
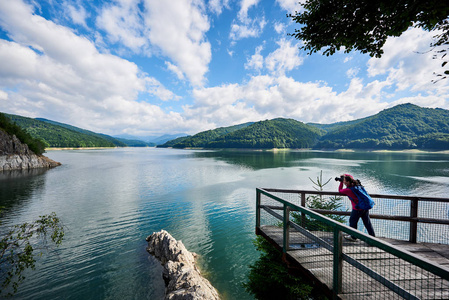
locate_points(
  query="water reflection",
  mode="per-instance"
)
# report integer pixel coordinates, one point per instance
(385, 172)
(16, 187)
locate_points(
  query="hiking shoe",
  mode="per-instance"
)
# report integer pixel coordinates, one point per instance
(350, 238)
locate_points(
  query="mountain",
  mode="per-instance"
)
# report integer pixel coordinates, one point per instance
(176, 141)
(404, 126)
(54, 134)
(135, 143)
(167, 137)
(277, 133)
(201, 140)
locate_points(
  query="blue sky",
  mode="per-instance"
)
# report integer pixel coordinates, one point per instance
(152, 67)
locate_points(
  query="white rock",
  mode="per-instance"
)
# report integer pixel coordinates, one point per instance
(182, 277)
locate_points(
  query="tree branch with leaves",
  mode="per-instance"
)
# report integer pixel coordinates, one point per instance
(18, 247)
(365, 25)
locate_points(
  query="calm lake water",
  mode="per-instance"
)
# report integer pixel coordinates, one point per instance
(111, 200)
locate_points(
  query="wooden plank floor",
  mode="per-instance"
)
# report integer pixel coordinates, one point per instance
(356, 284)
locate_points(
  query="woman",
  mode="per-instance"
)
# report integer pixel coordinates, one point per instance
(356, 213)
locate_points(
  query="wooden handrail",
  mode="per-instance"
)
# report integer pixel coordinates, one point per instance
(413, 218)
(338, 229)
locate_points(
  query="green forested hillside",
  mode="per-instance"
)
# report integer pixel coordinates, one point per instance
(405, 126)
(203, 138)
(53, 134)
(35, 145)
(276, 133)
(174, 142)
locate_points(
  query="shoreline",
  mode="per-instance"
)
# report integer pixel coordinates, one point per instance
(80, 148)
(261, 150)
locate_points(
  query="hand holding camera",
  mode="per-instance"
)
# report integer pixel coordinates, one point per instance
(339, 178)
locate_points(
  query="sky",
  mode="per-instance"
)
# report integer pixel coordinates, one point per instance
(154, 67)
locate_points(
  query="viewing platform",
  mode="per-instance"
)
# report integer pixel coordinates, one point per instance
(409, 259)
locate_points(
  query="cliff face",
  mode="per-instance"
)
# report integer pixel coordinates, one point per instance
(183, 279)
(17, 156)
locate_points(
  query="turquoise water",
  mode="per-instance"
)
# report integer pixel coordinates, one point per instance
(111, 200)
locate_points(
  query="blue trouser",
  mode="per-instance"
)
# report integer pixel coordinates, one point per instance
(364, 214)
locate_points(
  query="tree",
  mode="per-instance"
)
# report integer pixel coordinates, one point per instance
(365, 25)
(18, 246)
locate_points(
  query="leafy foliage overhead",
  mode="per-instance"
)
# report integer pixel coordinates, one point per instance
(365, 25)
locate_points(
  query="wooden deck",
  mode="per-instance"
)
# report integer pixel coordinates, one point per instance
(317, 262)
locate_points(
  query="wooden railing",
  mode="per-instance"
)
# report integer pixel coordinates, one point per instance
(275, 205)
(414, 217)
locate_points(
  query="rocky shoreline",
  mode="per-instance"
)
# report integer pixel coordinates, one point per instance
(17, 156)
(183, 280)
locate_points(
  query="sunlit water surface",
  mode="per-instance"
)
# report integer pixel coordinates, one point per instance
(111, 200)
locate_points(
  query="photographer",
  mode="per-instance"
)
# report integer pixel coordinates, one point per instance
(356, 212)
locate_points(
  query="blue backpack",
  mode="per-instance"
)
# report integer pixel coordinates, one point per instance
(365, 202)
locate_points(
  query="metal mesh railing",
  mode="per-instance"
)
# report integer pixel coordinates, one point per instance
(367, 268)
(414, 219)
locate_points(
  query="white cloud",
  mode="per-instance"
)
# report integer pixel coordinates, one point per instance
(171, 67)
(256, 60)
(352, 72)
(408, 62)
(251, 28)
(291, 5)
(283, 59)
(267, 97)
(123, 24)
(216, 6)
(244, 26)
(279, 27)
(178, 29)
(77, 15)
(68, 80)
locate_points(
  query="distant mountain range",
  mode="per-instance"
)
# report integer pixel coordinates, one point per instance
(405, 126)
(60, 135)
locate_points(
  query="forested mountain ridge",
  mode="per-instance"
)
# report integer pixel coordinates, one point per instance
(202, 139)
(276, 133)
(404, 126)
(54, 134)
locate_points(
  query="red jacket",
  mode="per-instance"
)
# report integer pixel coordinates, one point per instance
(350, 194)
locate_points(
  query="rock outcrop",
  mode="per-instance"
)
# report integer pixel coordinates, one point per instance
(183, 279)
(14, 155)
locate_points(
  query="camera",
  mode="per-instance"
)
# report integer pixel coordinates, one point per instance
(339, 178)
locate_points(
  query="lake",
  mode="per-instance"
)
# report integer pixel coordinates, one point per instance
(111, 200)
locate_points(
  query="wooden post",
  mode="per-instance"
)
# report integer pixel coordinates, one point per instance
(257, 210)
(338, 263)
(286, 239)
(414, 223)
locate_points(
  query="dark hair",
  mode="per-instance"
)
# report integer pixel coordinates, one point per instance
(352, 181)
